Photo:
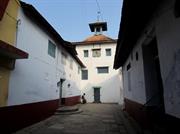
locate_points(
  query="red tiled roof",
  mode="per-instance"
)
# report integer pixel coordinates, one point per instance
(96, 39)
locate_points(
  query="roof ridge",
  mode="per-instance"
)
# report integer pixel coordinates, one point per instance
(100, 37)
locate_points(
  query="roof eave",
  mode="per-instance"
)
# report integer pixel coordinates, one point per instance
(135, 16)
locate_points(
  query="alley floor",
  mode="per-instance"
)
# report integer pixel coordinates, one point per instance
(94, 119)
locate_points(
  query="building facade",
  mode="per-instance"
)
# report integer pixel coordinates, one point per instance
(48, 79)
(148, 52)
(99, 81)
(8, 50)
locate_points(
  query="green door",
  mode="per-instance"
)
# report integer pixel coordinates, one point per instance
(97, 95)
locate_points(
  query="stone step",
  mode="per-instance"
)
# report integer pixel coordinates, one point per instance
(68, 110)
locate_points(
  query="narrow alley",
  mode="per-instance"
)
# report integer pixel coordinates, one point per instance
(94, 119)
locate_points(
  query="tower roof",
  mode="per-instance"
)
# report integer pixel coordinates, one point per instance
(96, 39)
(98, 24)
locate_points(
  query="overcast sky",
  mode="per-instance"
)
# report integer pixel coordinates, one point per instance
(71, 17)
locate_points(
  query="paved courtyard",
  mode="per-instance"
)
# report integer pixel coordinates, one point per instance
(95, 119)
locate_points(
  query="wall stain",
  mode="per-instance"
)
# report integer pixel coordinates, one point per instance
(172, 85)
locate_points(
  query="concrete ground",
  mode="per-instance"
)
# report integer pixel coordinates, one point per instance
(95, 119)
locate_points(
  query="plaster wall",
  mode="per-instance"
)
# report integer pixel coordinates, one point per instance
(168, 31)
(133, 78)
(36, 78)
(109, 83)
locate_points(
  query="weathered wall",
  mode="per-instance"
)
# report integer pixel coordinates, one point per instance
(133, 79)
(168, 31)
(35, 79)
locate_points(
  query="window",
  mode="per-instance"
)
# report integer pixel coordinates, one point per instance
(86, 53)
(98, 29)
(129, 81)
(128, 66)
(51, 49)
(108, 52)
(84, 74)
(96, 52)
(79, 68)
(102, 70)
(71, 63)
(137, 56)
(63, 59)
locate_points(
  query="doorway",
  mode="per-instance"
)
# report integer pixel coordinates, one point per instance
(152, 74)
(97, 95)
(61, 100)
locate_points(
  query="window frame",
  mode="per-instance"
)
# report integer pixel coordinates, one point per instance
(93, 50)
(107, 51)
(51, 52)
(101, 72)
(86, 53)
(83, 76)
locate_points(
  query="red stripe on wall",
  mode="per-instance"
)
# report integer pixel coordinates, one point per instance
(13, 118)
(137, 111)
(3, 5)
(72, 100)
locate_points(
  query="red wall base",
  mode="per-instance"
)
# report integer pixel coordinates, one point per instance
(152, 120)
(13, 118)
(137, 112)
(72, 100)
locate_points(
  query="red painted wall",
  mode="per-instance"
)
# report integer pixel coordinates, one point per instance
(72, 100)
(13, 118)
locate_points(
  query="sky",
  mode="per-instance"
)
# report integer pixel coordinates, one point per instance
(71, 18)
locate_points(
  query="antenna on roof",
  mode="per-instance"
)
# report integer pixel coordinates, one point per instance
(99, 11)
(98, 15)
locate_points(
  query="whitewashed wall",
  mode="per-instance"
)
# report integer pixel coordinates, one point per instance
(110, 83)
(35, 79)
(168, 32)
(134, 86)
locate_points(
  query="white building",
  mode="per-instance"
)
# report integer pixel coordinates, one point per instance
(51, 75)
(148, 51)
(99, 81)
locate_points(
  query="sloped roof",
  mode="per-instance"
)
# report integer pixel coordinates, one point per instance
(35, 16)
(98, 24)
(96, 39)
(135, 16)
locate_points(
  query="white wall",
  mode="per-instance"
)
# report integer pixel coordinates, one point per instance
(168, 31)
(35, 79)
(110, 83)
(73, 78)
(134, 86)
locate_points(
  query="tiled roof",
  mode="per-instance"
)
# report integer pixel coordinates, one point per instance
(96, 39)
